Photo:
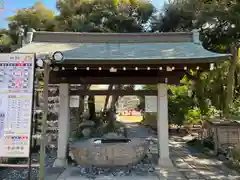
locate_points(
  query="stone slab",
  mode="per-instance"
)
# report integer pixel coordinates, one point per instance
(115, 178)
(53, 173)
(70, 174)
(169, 174)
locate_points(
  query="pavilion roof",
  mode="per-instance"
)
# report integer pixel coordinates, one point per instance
(102, 46)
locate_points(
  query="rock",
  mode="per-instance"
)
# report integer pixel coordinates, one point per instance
(71, 155)
(188, 138)
(222, 157)
(105, 153)
(112, 135)
(85, 115)
(143, 168)
(86, 132)
(87, 123)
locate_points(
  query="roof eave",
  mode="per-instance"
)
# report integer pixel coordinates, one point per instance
(146, 60)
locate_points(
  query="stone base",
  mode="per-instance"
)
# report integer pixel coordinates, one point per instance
(167, 171)
(60, 163)
(72, 173)
(53, 173)
(115, 178)
(165, 163)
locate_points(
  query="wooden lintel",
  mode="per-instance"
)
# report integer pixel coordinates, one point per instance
(130, 68)
(115, 80)
(114, 92)
(96, 77)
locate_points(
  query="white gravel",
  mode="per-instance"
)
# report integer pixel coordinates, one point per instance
(22, 173)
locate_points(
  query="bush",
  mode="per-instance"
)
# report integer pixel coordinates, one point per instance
(194, 116)
(150, 119)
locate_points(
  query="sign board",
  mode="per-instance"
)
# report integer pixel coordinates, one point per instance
(74, 101)
(16, 96)
(150, 103)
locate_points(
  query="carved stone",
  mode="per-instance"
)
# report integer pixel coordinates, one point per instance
(109, 152)
(86, 132)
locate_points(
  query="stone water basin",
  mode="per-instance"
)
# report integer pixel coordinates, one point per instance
(102, 152)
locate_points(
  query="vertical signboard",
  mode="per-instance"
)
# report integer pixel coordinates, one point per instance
(74, 101)
(16, 96)
(150, 103)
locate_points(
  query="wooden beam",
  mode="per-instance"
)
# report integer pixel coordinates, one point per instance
(154, 65)
(114, 92)
(79, 77)
(106, 73)
(115, 80)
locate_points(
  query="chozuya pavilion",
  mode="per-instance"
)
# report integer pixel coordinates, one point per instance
(128, 58)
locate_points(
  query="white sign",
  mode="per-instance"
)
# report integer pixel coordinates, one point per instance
(150, 103)
(74, 101)
(16, 93)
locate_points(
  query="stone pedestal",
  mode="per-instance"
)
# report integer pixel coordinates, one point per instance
(165, 163)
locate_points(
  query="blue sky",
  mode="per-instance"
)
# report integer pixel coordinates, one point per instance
(11, 5)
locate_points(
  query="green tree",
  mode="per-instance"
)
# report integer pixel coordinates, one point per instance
(37, 17)
(104, 15)
(119, 16)
(5, 40)
(179, 102)
(219, 26)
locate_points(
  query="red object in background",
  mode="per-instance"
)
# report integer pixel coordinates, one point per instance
(20, 64)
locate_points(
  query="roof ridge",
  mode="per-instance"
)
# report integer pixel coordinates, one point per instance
(82, 37)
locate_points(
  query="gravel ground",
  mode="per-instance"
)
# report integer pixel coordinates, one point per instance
(144, 168)
(21, 173)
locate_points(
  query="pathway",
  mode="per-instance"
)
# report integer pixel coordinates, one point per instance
(136, 130)
(191, 164)
(196, 165)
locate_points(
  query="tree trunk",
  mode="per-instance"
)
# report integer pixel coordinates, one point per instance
(230, 82)
(79, 111)
(112, 110)
(110, 87)
(91, 107)
(199, 93)
(115, 97)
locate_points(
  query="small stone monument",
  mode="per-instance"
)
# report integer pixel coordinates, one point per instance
(86, 128)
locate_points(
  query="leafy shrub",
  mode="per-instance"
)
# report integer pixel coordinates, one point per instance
(150, 119)
(193, 116)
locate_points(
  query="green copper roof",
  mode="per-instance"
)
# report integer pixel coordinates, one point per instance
(122, 51)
